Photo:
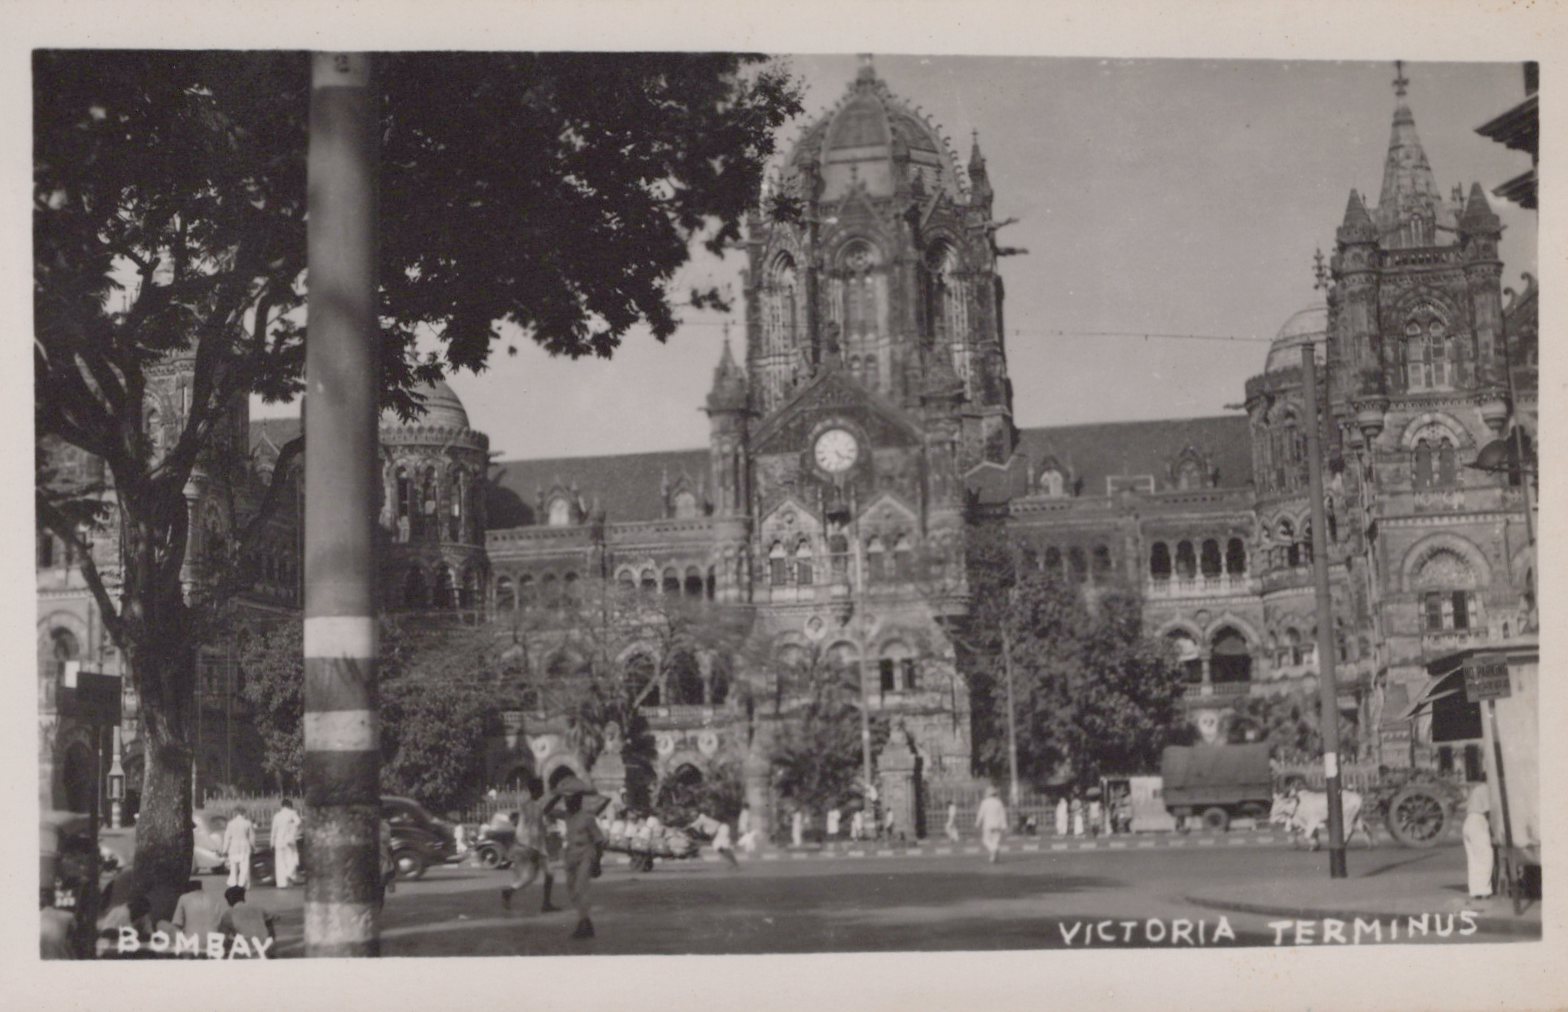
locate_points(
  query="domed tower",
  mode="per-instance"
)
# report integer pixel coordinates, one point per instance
(873, 250)
(432, 506)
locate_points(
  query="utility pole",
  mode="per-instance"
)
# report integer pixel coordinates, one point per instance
(342, 760)
(1012, 706)
(1328, 689)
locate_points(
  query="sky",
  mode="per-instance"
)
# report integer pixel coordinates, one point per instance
(1165, 196)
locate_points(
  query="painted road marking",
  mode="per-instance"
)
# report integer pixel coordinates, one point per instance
(1206, 842)
(1117, 845)
(1058, 846)
(1145, 844)
(1031, 848)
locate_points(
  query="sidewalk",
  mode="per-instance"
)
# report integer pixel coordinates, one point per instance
(1395, 887)
(1018, 844)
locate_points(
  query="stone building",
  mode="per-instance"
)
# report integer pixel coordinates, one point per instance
(872, 408)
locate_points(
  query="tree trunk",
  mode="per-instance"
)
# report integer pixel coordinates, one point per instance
(163, 828)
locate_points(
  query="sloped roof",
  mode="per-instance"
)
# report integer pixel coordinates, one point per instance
(626, 485)
(276, 431)
(1094, 452)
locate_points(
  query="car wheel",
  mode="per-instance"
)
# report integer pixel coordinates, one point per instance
(410, 865)
(1216, 819)
(490, 857)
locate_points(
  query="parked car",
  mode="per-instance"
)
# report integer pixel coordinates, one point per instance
(419, 840)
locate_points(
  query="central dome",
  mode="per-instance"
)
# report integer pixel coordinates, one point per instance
(442, 407)
(862, 138)
(1309, 326)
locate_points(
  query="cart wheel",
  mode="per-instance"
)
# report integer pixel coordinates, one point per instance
(1216, 819)
(1417, 817)
(490, 857)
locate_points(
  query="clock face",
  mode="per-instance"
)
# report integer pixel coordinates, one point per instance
(836, 451)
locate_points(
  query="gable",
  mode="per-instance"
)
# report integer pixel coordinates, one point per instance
(834, 392)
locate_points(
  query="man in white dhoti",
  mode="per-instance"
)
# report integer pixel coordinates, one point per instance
(747, 834)
(797, 827)
(952, 821)
(285, 844)
(991, 820)
(1061, 817)
(239, 842)
(833, 821)
(1478, 841)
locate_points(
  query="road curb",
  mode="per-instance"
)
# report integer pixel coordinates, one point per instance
(870, 849)
(1488, 923)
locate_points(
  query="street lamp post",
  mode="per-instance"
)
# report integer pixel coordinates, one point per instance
(1012, 706)
(1328, 689)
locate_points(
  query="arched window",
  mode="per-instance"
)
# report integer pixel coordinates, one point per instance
(685, 505)
(569, 588)
(1051, 483)
(1296, 652)
(903, 558)
(1190, 475)
(718, 681)
(780, 305)
(683, 678)
(427, 505)
(549, 591)
(778, 565)
(1230, 659)
(505, 594)
(1211, 558)
(838, 557)
(1286, 545)
(1422, 477)
(1429, 354)
(525, 590)
(626, 580)
(405, 502)
(873, 375)
(64, 645)
(560, 513)
(1053, 561)
(860, 281)
(1447, 470)
(1160, 562)
(672, 582)
(876, 560)
(446, 588)
(468, 593)
(1449, 602)
(1236, 557)
(803, 568)
(693, 581)
(1102, 563)
(896, 669)
(1186, 560)
(1079, 564)
(649, 582)
(457, 498)
(155, 432)
(414, 590)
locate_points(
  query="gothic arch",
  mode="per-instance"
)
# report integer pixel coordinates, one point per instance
(1241, 625)
(1180, 625)
(1441, 419)
(1422, 551)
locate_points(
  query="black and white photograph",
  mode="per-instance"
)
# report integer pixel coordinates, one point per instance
(773, 499)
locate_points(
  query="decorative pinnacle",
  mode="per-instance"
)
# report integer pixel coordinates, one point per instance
(1319, 272)
(1401, 82)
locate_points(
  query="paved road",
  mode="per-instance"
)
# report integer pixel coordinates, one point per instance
(1033, 901)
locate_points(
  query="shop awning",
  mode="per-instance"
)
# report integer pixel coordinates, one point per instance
(1435, 689)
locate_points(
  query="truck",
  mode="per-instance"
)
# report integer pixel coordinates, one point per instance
(1217, 783)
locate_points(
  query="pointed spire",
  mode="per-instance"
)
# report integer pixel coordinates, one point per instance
(1479, 218)
(729, 381)
(1410, 189)
(979, 179)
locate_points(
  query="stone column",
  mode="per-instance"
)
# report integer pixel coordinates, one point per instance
(896, 784)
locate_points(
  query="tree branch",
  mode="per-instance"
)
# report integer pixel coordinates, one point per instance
(61, 525)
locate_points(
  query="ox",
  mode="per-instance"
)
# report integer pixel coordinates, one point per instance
(1306, 812)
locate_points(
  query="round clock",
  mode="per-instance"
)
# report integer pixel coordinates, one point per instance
(837, 450)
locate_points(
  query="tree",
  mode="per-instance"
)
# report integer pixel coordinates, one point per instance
(439, 704)
(555, 192)
(1290, 722)
(815, 749)
(1093, 693)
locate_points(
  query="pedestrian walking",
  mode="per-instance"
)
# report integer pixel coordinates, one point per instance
(239, 843)
(388, 862)
(529, 852)
(834, 816)
(1061, 816)
(747, 838)
(285, 844)
(722, 845)
(797, 828)
(991, 820)
(1077, 817)
(584, 845)
(1477, 834)
(857, 824)
(952, 821)
(888, 827)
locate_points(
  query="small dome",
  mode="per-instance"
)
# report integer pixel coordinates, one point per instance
(442, 407)
(1309, 326)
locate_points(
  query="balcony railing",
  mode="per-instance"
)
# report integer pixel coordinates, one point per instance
(1200, 586)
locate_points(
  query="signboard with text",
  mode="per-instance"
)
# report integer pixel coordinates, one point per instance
(1487, 678)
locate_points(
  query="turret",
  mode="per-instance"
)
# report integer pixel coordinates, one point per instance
(979, 179)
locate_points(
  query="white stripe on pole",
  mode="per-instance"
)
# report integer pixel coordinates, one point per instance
(340, 636)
